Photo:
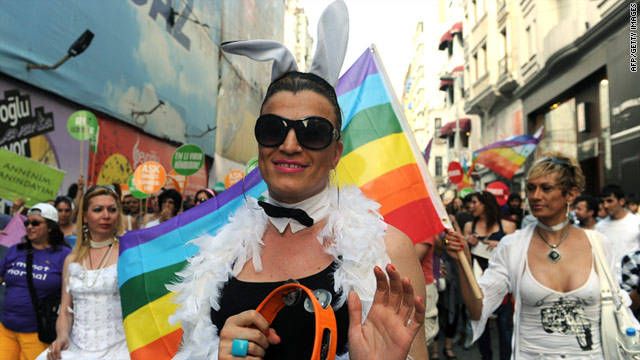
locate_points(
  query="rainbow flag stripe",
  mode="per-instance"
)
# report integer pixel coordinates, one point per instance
(379, 157)
(505, 157)
(149, 259)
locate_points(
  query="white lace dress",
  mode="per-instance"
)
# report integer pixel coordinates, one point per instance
(97, 331)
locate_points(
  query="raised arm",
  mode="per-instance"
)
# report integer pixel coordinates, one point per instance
(455, 243)
(65, 317)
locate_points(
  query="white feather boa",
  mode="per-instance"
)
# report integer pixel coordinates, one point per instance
(355, 226)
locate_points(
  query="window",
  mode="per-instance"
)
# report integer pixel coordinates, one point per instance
(474, 11)
(450, 94)
(474, 67)
(531, 41)
(503, 66)
(464, 139)
(438, 165)
(483, 59)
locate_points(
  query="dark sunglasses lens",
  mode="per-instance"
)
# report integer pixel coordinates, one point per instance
(316, 135)
(270, 131)
(34, 223)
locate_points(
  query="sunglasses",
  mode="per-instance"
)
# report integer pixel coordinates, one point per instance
(312, 132)
(554, 160)
(106, 187)
(201, 200)
(35, 223)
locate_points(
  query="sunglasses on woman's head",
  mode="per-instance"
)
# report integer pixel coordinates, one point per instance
(35, 223)
(106, 187)
(312, 132)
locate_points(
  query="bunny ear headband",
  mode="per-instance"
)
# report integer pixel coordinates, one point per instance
(333, 35)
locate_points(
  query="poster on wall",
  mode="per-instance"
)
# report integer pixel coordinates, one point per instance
(33, 124)
(158, 68)
(116, 159)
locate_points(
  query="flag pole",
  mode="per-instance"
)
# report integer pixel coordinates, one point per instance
(422, 165)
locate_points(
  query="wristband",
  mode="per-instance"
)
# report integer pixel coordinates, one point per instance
(326, 338)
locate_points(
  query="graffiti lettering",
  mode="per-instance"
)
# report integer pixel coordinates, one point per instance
(174, 24)
(17, 121)
(20, 147)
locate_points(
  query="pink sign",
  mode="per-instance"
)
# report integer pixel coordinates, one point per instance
(15, 231)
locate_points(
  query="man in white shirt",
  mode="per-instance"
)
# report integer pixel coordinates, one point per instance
(622, 228)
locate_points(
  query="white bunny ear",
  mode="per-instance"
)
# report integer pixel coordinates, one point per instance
(333, 36)
(264, 50)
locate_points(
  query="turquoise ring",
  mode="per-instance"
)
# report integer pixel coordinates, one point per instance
(239, 347)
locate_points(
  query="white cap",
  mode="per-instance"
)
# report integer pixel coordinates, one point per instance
(45, 210)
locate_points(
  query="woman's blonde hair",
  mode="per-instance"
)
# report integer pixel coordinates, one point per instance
(82, 245)
(567, 170)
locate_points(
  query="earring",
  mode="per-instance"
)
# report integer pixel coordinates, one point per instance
(568, 209)
(336, 181)
(85, 232)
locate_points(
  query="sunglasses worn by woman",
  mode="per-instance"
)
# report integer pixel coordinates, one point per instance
(312, 132)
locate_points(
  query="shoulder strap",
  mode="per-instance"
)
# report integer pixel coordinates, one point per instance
(32, 289)
(473, 225)
(607, 286)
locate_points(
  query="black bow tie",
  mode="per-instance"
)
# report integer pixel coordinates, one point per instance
(282, 212)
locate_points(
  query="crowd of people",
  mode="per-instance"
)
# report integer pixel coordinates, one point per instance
(513, 249)
(71, 247)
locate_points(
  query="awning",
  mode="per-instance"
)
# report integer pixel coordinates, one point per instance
(456, 28)
(444, 84)
(465, 126)
(459, 68)
(445, 39)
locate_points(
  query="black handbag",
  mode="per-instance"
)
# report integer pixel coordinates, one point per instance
(47, 309)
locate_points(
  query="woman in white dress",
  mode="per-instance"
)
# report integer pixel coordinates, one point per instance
(90, 323)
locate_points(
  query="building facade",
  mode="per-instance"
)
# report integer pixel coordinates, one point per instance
(296, 34)
(422, 102)
(564, 65)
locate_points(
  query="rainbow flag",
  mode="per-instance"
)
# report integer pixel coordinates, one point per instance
(379, 157)
(149, 259)
(505, 157)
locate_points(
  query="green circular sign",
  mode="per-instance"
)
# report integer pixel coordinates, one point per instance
(219, 187)
(82, 125)
(187, 159)
(133, 189)
(252, 164)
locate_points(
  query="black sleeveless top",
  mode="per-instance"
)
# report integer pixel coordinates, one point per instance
(484, 263)
(294, 325)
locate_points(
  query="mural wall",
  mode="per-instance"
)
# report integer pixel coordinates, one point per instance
(152, 63)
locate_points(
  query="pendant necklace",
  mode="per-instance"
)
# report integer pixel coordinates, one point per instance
(104, 261)
(553, 255)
